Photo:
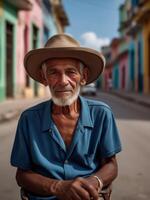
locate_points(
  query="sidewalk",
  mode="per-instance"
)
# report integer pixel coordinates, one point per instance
(141, 99)
(10, 109)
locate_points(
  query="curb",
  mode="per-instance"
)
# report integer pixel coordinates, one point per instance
(9, 116)
(16, 110)
(133, 99)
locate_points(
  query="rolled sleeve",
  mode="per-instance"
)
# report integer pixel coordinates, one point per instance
(110, 141)
(20, 156)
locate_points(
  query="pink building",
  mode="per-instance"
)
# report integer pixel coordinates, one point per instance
(28, 37)
(123, 63)
(111, 55)
(123, 71)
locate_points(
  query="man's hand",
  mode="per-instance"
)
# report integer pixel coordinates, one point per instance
(77, 189)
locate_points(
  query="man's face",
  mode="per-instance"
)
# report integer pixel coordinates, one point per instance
(64, 77)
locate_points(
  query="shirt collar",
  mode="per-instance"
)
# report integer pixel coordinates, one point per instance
(85, 117)
(46, 118)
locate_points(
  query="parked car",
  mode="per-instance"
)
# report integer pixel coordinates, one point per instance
(89, 89)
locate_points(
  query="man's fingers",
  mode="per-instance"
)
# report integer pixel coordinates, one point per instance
(88, 190)
(76, 196)
(91, 190)
(80, 191)
(83, 193)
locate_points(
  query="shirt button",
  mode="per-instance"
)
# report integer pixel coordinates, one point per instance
(49, 130)
(66, 161)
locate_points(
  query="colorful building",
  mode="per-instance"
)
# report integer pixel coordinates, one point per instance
(131, 72)
(115, 70)
(136, 25)
(111, 77)
(123, 64)
(106, 51)
(49, 25)
(139, 30)
(123, 53)
(60, 16)
(8, 45)
(25, 25)
(29, 34)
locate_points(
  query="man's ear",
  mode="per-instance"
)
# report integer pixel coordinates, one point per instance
(44, 81)
(84, 76)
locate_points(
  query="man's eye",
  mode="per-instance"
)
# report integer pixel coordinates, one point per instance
(51, 72)
(72, 72)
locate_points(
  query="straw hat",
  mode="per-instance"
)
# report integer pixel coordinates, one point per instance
(64, 46)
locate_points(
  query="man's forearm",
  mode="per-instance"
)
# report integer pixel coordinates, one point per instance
(43, 186)
(107, 173)
(36, 183)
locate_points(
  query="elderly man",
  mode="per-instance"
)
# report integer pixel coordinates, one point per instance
(65, 147)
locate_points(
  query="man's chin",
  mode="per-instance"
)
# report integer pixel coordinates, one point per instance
(65, 98)
(62, 101)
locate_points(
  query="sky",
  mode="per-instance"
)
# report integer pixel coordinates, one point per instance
(94, 23)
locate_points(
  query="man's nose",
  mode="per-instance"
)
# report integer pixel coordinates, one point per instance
(63, 79)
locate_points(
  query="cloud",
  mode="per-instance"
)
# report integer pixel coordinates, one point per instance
(91, 40)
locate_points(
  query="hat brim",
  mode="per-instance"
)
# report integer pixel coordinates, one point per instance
(89, 57)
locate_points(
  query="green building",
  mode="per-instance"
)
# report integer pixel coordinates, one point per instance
(8, 42)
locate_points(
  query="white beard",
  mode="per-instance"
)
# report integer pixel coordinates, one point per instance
(68, 100)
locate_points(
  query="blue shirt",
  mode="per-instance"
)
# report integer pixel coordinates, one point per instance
(38, 145)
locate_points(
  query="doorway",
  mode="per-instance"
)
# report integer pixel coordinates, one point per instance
(123, 77)
(140, 74)
(26, 33)
(149, 63)
(9, 59)
(35, 44)
(132, 72)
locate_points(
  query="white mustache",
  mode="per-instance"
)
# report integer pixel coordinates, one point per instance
(62, 89)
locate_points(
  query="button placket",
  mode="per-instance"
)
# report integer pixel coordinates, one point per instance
(66, 161)
(50, 130)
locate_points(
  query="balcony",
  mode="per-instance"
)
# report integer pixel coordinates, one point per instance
(133, 28)
(144, 14)
(124, 46)
(59, 11)
(124, 25)
(141, 2)
(21, 4)
(62, 15)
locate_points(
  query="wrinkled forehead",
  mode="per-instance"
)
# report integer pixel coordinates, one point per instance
(58, 61)
(62, 62)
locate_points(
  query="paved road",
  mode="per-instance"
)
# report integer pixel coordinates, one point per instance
(134, 164)
(8, 187)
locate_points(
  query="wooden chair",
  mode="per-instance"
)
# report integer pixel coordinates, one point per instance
(105, 194)
(23, 194)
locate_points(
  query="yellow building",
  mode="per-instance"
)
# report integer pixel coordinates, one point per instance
(60, 16)
(142, 17)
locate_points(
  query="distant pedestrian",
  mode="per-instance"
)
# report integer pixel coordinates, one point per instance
(65, 148)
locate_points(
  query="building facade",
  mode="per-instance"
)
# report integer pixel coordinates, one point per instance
(29, 34)
(25, 25)
(132, 69)
(137, 27)
(8, 46)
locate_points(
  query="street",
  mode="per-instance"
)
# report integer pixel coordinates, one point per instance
(134, 125)
(132, 183)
